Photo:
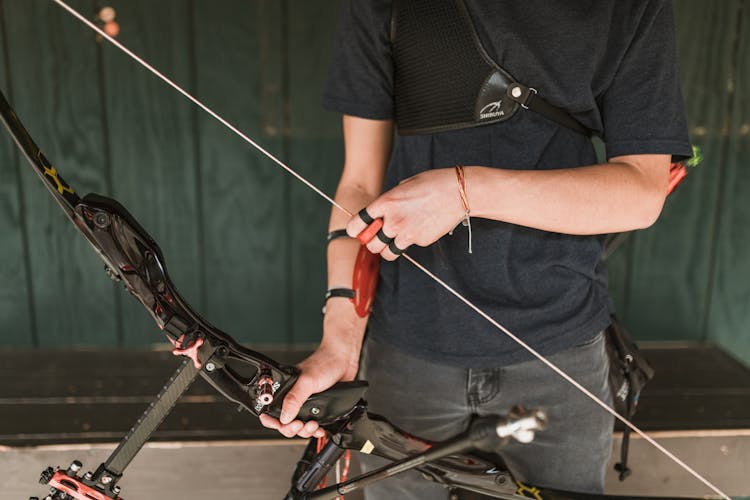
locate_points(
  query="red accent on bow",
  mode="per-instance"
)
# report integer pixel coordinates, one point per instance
(190, 351)
(74, 488)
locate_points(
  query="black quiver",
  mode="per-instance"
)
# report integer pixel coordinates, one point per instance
(629, 371)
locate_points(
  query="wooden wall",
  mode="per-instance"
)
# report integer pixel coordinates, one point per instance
(243, 240)
(686, 278)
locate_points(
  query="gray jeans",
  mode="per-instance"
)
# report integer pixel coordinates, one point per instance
(436, 402)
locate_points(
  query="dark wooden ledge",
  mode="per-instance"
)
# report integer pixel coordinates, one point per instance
(49, 397)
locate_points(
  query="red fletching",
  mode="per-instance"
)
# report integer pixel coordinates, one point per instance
(677, 172)
(365, 279)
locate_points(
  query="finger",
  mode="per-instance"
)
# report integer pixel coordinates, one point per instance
(269, 422)
(294, 399)
(359, 222)
(375, 245)
(381, 240)
(292, 429)
(308, 429)
(319, 433)
(393, 251)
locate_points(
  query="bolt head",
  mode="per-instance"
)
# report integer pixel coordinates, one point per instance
(101, 220)
(315, 410)
(516, 92)
(106, 479)
(210, 367)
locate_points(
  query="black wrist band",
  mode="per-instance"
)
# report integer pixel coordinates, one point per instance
(335, 234)
(337, 292)
(340, 292)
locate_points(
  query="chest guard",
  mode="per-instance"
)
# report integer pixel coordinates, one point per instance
(445, 80)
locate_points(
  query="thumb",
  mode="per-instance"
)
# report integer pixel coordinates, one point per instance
(295, 398)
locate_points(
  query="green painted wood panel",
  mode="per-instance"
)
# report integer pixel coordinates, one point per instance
(243, 192)
(15, 299)
(668, 273)
(151, 146)
(54, 73)
(244, 241)
(316, 150)
(728, 321)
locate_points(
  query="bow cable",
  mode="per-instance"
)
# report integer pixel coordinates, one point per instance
(443, 284)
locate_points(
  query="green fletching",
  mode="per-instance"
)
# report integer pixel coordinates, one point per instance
(697, 157)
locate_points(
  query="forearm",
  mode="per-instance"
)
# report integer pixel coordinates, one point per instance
(598, 199)
(341, 323)
(367, 149)
(342, 252)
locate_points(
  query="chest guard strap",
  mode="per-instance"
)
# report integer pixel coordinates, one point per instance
(445, 80)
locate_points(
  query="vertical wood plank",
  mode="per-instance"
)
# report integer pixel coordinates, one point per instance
(54, 81)
(618, 268)
(669, 274)
(243, 216)
(316, 150)
(152, 145)
(729, 316)
(14, 293)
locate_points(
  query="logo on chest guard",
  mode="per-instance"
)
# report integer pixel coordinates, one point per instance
(492, 110)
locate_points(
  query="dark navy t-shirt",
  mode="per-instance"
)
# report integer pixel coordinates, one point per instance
(612, 64)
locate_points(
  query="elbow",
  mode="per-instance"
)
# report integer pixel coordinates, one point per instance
(649, 177)
(649, 209)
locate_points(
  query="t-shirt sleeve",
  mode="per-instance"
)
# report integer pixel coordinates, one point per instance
(642, 110)
(360, 77)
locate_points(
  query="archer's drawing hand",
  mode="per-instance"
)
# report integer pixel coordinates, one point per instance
(419, 211)
(335, 360)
